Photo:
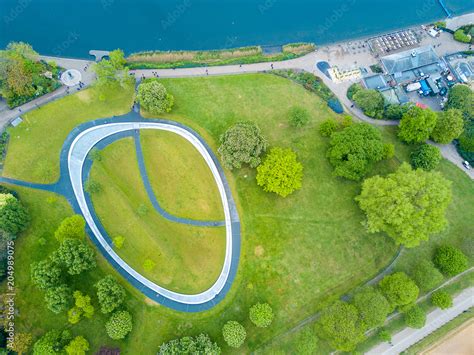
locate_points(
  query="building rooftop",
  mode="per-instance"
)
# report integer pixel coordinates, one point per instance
(398, 63)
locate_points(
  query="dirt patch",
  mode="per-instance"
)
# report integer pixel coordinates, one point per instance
(259, 251)
(150, 302)
(459, 342)
(84, 95)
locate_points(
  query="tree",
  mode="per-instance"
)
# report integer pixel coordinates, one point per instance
(83, 303)
(442, 299)
(353, 150)
(384, 335)
(112, 70)
(298, 116)
(466, 139)
(449, 126)
(450, 260)
(78, 346)
(426, 157)
(234, 334)
(118, 241)
(117, 59)
(75, 255)
(395, 112)
(45, 274)
(409, 205)
(306, 342)
(261, 314)
(461, 97)
(21, 343)
(415, 317)
(417, 124)
(460, 36)
(373, 307)
(58, 299)
(110, 294)
(14, 218)
(23, 49)
(370, 101)
(399, 289)
(53, 342)
(119, 325)
(154, 97)
(426, 276)
(353, 89)
(200, 344)
(328, 127)
(341, 326)
(242, 143)
(280, 172)
(71, 227)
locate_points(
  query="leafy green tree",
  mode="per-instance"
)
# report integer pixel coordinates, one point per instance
(261, 314)
(78, 346)
(373, 307)
(53, 342)
(280, 172)
(384, 335)
(112, 70)
(75, 255)
(353, 150)
(119, 325)
(449, 126)
(14, 217)
(353, 89)
(409, 205)
(388, 151)
(461, 97)
(23, 49)
(234, 334)
(341, 326)
(450, 260)
(395, 112)
(306, 342)
(425, 156)
(58, 298)
(298, 116)
(118, 241)
(460, 36)
(71, 227)
(117, 59)
(154, 97)
(110, 293)
(83, 302)
(426, 276)
(442, 299)
(45, 274)
(371, 102)
(242, 143)
(415, 317)
(417, 124)
(466, 139)
(21, 343)
(399, 289)
(200, 344)
(328, 127)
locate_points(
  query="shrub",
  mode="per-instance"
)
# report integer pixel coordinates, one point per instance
(426, 157)
(450, 260)
(119, 325)
(261, 315)
(200, 344)
(154, 97)
(328, 127)
(384, 335)
(415, 317)
(298, 116)
(353, 89)
(371, 102)
(243, 143)
(388, 151)
(442, 299)
(460, 36)
(78, 346)
(72, 227)
(234, 334)
(426, 276)
(92, 187)
(118, 241)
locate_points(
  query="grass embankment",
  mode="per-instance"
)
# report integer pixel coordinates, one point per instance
(181, 180)
(33, 150)
(124, 209)
(187, 59)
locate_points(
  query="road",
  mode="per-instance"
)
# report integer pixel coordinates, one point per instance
(434, 320)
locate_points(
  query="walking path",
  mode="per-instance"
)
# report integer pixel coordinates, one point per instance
(434, 320)
(75, 169)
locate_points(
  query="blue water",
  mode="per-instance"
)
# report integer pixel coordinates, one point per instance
(73, 27)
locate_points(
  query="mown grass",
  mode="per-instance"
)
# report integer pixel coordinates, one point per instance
(124, 209)
(181, 180)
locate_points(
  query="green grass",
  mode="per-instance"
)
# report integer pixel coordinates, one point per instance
(38, 140)
(180, 178)
(149, 236)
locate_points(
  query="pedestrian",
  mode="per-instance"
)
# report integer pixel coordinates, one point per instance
(19, 109)
(271, 65)
(207, 72)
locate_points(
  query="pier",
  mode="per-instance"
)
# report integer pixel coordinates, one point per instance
(99, 55)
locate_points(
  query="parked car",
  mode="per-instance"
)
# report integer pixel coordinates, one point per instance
(466, 164)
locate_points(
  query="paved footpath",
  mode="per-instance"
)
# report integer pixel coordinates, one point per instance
(434, 320)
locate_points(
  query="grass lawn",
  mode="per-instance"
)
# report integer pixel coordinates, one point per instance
(38, 140)
(148, 236)
(180, 177)
(298, 253)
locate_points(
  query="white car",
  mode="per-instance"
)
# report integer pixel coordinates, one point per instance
(466, 164)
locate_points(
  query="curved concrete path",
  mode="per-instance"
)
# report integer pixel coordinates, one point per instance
(75, 168)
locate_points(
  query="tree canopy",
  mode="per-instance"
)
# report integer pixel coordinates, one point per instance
(14, 217)
(442, 299)
(415, 317)
(153, 96)
(234, 334)
(53, 342)
(461, 97)
(373, 307)
(370, 101)
(119, 325)
(200, 344)
(328, 127)
(45, 274)
(450, 260)
(112, 70)
(426, 276)
(417, 124)
(75, 255)
(280, 172)
(425, 156)
(78, 346)
(399, 289)
(242, 143)
(341, 326)
(409, 205)
(58, 299)
(110, 294)
(353, 150)
(71, 227)
(261, 314)
(449, 126)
